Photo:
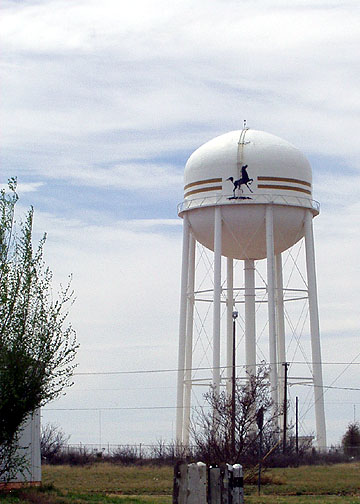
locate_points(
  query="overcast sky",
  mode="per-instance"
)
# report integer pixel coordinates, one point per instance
(101, 105)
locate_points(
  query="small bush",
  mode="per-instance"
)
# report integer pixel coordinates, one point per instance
(73, 457)
(124, 455)
(52, 442)
(351, 440)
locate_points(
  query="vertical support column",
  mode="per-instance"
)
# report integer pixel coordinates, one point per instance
(315, 333)
(182, 329)
(271, 303)
(189, 340)
(250, 324)
(280, 330)
(229, 322)
(217, 298)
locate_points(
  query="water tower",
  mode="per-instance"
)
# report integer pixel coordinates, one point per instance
(248, 197)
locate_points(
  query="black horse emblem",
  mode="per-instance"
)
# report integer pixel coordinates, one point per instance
(244, 180)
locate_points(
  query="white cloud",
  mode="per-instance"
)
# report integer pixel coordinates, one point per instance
(93, 70)
(29, 187)
(134, 177)
(26, 187)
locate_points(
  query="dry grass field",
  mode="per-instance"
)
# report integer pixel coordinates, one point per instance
(115, 484)
(111, 479)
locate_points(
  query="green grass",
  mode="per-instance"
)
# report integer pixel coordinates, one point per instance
(111, 479)
(56, 497)
(336, 480)
(308, 499)
(115, 484)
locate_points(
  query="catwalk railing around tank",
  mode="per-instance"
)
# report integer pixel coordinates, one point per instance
(255, 199)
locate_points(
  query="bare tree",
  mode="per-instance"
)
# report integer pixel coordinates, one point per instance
(52, 442)
(211, 428)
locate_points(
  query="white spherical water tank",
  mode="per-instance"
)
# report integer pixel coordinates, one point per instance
(244, 171)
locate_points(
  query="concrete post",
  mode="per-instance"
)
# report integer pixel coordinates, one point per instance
(214, 485)
(238, 484)
(196, 493)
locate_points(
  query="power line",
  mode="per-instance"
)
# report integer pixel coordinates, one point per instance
(117, 408)
(343, 402)
(334, 381)
(175, 370)
(124, 389)
(193, 407)
(330, 387)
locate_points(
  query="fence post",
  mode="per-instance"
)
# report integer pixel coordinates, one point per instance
(180, 487)
(203, 482)
(196, 483)
(238, 484)
(214, 485)
(226, 484)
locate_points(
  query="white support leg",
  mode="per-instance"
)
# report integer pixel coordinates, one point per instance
(189, 341)
(229, 322)
(250, 324)
(271, 305)
(315, 333)
(280, 330)
(182, 330)
(217, 299)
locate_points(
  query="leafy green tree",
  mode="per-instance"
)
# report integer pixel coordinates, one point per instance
(351, 440)
(37, 346)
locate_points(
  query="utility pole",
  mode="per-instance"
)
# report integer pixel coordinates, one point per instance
(260, 424)
(286, 365)
(233, 388)
(297, 425)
